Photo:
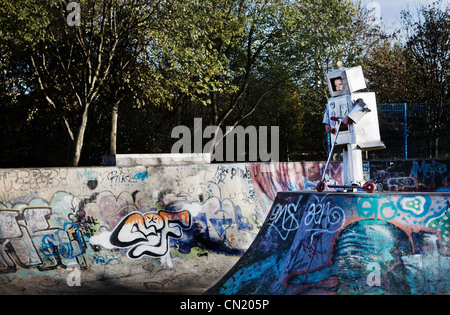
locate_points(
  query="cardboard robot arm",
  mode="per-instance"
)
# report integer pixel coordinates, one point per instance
(358, 111)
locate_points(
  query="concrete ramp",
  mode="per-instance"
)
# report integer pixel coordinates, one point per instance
(354, 243)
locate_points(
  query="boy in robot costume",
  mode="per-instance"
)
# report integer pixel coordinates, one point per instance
(358, 120)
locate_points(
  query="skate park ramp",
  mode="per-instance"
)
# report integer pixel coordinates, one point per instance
(177, 229)
(347, 243)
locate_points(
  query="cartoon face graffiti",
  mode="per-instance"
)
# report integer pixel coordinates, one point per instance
(148, 234)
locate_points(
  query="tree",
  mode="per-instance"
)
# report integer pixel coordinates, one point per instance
(428, 40)
(326, 32)
(279, 42)
(412, 66)
(389, 73)
(133, 70)
(72, 66)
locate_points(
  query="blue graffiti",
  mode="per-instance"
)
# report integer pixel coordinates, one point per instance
(141, 176)
(60, 243)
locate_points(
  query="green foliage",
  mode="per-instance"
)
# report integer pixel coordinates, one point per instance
(429, 45)
(413, 66)
(156, 64)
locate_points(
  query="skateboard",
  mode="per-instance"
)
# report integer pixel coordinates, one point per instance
(368, 187)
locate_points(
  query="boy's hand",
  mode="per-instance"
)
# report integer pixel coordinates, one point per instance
(347, 120)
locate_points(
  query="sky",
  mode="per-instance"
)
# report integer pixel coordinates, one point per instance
(390, 9)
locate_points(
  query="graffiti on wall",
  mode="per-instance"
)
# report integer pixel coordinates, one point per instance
(149, 233)
(269, 179)
(27, 240)
(423, 175)
(413, 176)
(397, 234)
(349, 244)
(52, 218)
(104, 217)
(214, 225)
(31, 179)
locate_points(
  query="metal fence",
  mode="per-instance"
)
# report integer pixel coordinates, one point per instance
(413, 131)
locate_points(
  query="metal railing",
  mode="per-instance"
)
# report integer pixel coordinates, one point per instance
(413, 131)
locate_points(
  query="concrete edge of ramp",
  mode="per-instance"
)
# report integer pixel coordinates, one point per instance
(352, 243)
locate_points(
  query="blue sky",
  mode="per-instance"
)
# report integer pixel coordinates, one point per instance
(390, 9)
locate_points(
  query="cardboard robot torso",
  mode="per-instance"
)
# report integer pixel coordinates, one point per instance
(365, 130)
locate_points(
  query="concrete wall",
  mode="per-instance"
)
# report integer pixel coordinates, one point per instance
(188, 223)
(420, 176)
(139, 229)
(152, 229)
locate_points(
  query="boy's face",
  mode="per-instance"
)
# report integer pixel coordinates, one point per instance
(339, 84)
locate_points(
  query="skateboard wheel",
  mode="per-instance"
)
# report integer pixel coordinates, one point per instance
(320, 186)
(369, 187)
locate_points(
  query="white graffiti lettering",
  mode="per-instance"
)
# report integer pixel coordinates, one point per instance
(285, 213)
(322, 217)
(148, 234)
